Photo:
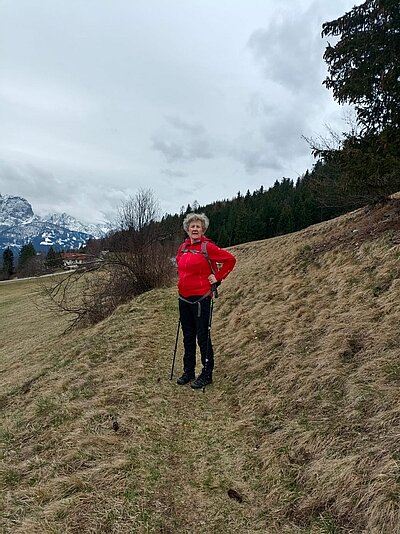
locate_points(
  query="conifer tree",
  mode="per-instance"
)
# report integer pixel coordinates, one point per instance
(27, 252)
(51, 259)
(364, 70)
(364, 64)
(8, 262)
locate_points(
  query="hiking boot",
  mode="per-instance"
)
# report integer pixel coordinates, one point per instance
(201, 381)
(185, 378)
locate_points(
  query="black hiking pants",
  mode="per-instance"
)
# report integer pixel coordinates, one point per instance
(195, 318)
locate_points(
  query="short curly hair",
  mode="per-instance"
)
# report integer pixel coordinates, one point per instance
(190, 217)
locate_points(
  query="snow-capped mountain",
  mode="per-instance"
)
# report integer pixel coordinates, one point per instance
(66, 221)
(14, 210)
(20, 226)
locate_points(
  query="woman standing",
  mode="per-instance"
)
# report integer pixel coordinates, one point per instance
(197, 260)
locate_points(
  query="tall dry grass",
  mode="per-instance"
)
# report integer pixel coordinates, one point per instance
(67, 467)
(302, 421)
(309, 330)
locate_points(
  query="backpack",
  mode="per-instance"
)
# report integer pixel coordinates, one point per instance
(202, 251)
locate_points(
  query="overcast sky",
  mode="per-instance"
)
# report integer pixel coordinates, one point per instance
(196, 99)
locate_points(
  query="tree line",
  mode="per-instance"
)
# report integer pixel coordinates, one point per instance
(29, 262)
(285, 207)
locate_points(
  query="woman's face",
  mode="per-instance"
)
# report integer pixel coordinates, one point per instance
(195, 230)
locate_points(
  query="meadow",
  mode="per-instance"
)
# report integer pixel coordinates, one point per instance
(299, 432)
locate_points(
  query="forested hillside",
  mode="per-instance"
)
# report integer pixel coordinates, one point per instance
(283, 208)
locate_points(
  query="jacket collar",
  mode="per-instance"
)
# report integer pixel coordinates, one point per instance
(188, 242)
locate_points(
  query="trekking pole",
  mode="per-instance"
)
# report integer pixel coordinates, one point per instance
(214, 289)
(176, 346)
(214, 294)
(209, 323)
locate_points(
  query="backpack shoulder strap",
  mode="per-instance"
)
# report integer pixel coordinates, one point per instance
(204, 250)
(205, 253)
(181, 251)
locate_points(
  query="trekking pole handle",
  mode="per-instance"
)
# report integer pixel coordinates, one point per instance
(214, 289)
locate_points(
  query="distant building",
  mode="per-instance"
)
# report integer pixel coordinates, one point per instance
(73, 260)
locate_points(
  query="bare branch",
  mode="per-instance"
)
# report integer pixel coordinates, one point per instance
(138, 259)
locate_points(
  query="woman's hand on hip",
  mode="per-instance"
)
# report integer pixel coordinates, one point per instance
(212, 279)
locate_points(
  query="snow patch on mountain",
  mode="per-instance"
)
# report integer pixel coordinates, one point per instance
(20, 226)
(14, 210)
(67, 221)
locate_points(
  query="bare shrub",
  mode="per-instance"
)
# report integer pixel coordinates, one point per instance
(137, 260)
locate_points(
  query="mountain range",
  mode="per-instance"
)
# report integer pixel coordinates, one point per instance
(20, 226)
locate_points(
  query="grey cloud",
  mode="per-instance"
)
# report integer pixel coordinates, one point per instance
(254, 160)
(181, 141)
(82, 134)
(179, 124)
(283, 134)
(174, 173)
(189, 191)
(273, 141)
(200, 149)
(50, 192)
(170, 150)
(28, 178)
(290, 51)
(185, 189)
(257, 106)
(255, 153)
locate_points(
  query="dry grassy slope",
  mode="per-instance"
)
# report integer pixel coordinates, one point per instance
(167, 468)
(303, 418)
(309, 328)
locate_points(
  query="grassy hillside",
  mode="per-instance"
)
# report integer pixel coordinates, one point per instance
(301, 424)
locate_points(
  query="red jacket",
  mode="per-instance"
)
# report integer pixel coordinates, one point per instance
(194, 269)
